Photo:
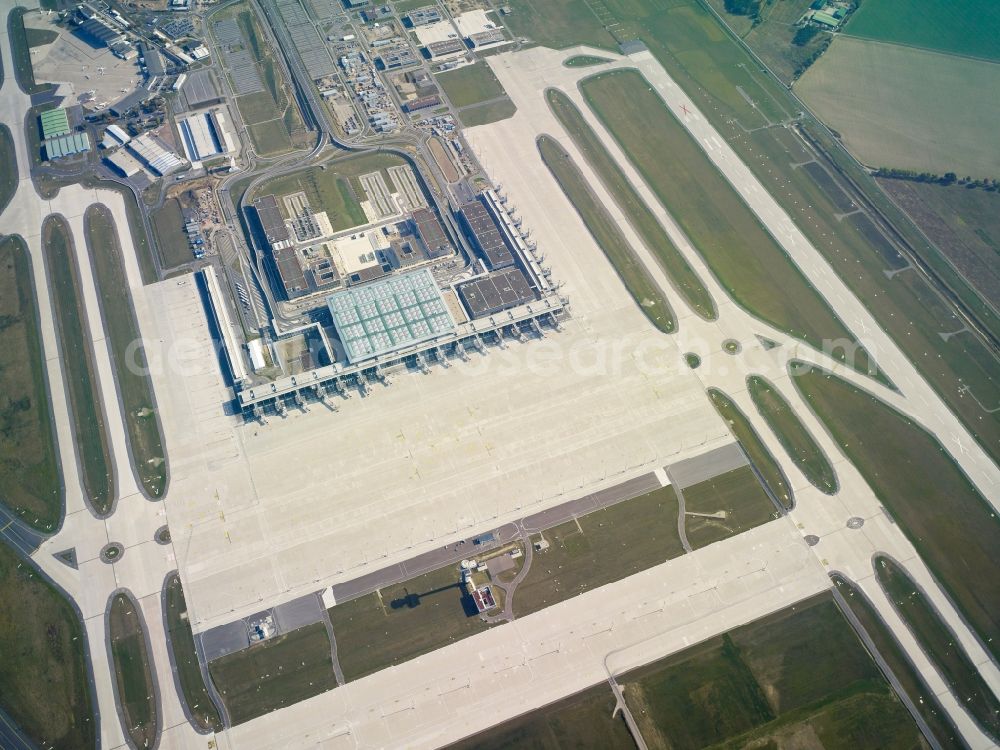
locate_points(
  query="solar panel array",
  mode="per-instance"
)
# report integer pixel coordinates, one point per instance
(388, 315)
(306, 39)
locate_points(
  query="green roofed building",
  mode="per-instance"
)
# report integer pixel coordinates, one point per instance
(55, 123)
(824, 18)
(66, 145)
(389, 315)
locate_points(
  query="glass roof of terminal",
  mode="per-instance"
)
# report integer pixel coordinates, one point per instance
(389, 314)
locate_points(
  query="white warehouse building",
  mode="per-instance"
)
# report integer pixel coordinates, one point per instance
(204, 135)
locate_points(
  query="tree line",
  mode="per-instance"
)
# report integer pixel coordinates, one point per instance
(946, 179)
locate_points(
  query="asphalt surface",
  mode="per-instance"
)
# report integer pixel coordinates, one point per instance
(11, 737)
(233, 637)
(25, 540)
(691, 471)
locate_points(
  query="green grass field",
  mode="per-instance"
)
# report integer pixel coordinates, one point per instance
(758, 453)
(600, 548)
(890, 650)
(738, 493)
(584, 61)
(331, 186)
(470, 84)
(29, 465)
(952, 526)
(915, 109)
(133, 671)
(772, 39)
(279, 672)
(725, 83)
(78, 362)
(134, 385)
(746, 259)
(939, 643)
(963, 223)
(607, 235)
(168, 223)
(269, 138)
(271, 115)
(678, 270)
(971, 27)
(580, 721)
(484, 114)
(21, 52)
(907, 306)
(793, 435)
(557, 23)
(9, 176)
(43, 672)
(797, 678)
(402, 622)
(40, 37)
(193, 690)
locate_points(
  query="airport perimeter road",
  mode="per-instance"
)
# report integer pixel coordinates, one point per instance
(467, 548)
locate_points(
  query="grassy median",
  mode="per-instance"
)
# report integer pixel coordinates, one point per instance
(798, 676)
(793, 435)
(607, 235)
(909, 678)
(737, 494)
(760, 457)
(29, 465)
(941, 646)
(133, 671)
(21, 52)
(278, 672)
(122, 330)
(401, 622)
(747, 260)
(600, 548)
(583, 720)
(193, 690)
(43, 669)
(79, 368)
(681, 275)
(953, 527)
(740, 100)
(8, 177)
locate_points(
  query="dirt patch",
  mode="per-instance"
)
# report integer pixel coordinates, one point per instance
(963, 224)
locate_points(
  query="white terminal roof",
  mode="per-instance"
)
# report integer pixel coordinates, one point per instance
(474, 21)
(389, 314)
(441, 31)
(199, 137)
(156, 157)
